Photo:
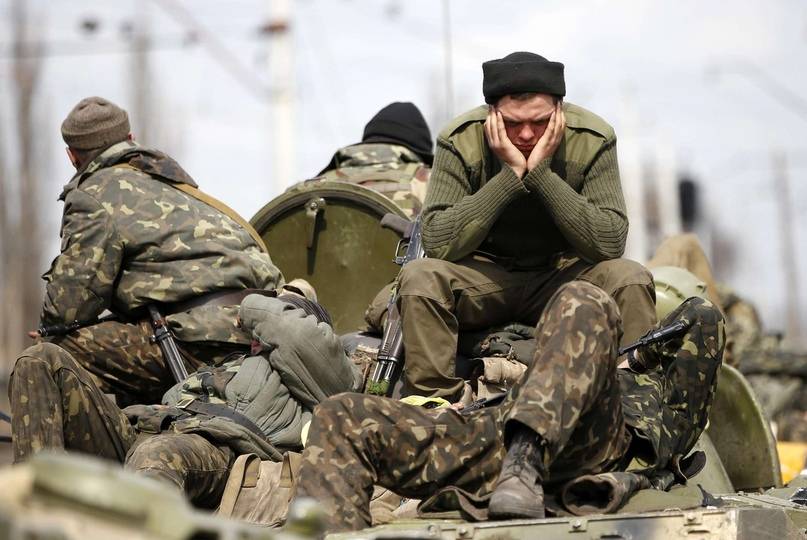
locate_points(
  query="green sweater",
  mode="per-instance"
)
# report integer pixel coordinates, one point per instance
(572, 202)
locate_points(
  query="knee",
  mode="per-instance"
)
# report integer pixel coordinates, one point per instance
(615, 274)
(423, 277)
(584, 300)
(707, 321)
(42, 357)
(151, 458)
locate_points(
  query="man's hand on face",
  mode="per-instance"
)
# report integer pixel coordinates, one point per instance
(550, 140)
(501, 145)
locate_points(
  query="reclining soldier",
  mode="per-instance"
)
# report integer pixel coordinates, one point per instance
(254, 403)
(572, 414)
(136, 231)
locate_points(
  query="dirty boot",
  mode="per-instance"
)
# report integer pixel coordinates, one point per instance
(518, 493)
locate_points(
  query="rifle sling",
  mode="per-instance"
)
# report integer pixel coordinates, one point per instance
(199, 195)
(223, 411)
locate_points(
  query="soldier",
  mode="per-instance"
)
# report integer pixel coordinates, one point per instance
(255, 403)
(393, 157)
(572, 414)
(137, 231)
(524, 196)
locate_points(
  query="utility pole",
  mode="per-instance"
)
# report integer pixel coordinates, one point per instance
(281, 65)
(787, 245)
(448, 60)
(142, 109)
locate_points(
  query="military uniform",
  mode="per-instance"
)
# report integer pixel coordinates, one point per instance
(591, 417)
(131, 237)
(391, 169)
(250, 404)
(499, 246)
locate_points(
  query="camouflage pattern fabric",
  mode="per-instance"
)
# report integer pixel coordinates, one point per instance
(187, 460)
(55, 404)
(129, 239)
(571, 396)
(390, 169)
(124, 362)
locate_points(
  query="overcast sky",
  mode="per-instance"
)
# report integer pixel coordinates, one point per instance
(720, 86)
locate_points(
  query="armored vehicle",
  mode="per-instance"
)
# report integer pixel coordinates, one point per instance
(329, 233)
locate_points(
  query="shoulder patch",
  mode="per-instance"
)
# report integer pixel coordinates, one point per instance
(579, 118)
(478, 114)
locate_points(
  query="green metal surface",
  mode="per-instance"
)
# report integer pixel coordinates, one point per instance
(328, 233)
(738, 523)
(713, 478)
(742, 435)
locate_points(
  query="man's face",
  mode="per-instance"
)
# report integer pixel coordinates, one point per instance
(525, 120)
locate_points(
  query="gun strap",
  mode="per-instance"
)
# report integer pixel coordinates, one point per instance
(199, 195)
(221, 410)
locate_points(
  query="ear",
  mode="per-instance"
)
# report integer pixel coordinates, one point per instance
(72, 157)
(130, 137)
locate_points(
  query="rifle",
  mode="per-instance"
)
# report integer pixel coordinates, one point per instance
(165, 340)
(390, 353)
(64, 329)
(654, 336)
(484, 403)
(162, 337)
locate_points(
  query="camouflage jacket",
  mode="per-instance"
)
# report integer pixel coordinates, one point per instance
(393, 170)
(129, 239)
(301, 363)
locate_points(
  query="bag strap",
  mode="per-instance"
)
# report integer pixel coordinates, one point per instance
(199, 195)
(235, 481)
(223, 411)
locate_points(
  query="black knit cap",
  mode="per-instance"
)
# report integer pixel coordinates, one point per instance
(521, 72)
(401, 123)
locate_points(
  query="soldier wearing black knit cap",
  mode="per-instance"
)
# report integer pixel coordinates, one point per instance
(394, 157)
(524, 197)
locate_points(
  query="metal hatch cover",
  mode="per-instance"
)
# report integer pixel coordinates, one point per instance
(328, 232)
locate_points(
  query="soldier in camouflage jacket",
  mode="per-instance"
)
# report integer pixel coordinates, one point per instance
(393, 158)
(253, 403)
(132, 235)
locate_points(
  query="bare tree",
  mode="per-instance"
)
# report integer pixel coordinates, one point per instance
(21, 233)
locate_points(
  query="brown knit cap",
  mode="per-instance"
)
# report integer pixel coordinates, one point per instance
(95, 123)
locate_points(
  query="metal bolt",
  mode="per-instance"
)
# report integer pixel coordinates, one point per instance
(576, 524)
(690, 517)
(462, 531)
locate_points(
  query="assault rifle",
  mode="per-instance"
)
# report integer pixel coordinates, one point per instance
(654, 336)
(51, 330)
(162, 337)
(390, 353)
(165, 340)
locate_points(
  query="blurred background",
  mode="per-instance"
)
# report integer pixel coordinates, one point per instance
(708, 99)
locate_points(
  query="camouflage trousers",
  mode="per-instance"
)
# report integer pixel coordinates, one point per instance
(572, 396)
(57, 405)
(123, 361)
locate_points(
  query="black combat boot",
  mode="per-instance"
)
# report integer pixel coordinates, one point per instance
(518, 493)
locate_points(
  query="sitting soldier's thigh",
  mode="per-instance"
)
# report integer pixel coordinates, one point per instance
(122, 359)
(479, 291)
